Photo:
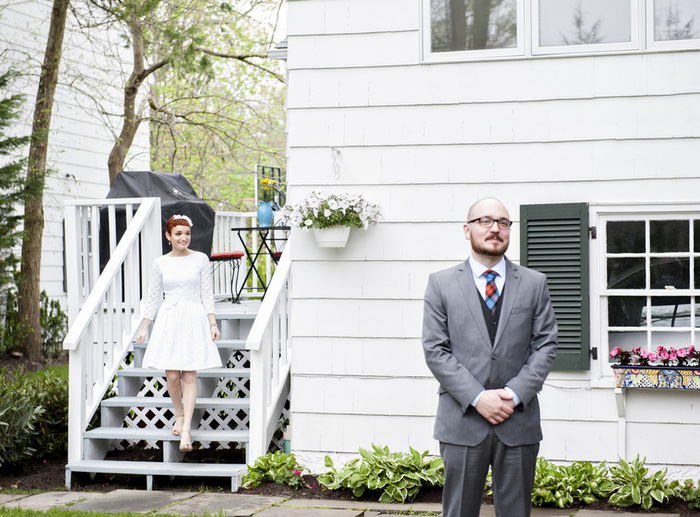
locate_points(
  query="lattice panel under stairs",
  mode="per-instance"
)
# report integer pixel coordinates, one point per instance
(159, 418)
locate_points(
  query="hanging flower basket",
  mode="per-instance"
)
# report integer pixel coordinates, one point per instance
(333, 237)
(331, 216)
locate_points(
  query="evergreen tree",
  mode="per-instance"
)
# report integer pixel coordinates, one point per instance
(13, 185)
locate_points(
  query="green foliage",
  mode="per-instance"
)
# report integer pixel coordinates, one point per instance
(692, 495)
(50, 392)
(277, 467)
(14, 189)
(632, 485)
(53, 321)
(18, 417)
(568, 485)
(399, 476)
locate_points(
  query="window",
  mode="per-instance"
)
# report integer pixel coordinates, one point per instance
(651, 286)
(483, 29)
(479, 28)
(674, 24)
(577, 26)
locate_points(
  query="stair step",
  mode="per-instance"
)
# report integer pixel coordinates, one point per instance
(234, 344)
(202, 402)
(211, 372)
(152, 468)
(145, 433)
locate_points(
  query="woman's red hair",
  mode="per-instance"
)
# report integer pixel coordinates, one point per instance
(172, 223)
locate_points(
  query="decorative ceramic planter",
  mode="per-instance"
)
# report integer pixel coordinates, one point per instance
(333, 237)
(265, 214)
(657, 377)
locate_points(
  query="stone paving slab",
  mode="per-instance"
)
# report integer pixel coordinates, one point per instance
(362, 505)
(557, 512)
(136, 501)
(288, 511)
(235, 505)
(6, 498)
(600, 513)
(48, 500)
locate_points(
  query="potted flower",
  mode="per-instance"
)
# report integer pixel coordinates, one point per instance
(265, 212)
(331, 216)
(663, 368)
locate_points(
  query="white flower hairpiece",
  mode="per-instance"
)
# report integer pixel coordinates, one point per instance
(178, 216)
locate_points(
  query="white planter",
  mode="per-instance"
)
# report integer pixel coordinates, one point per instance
(334, 237)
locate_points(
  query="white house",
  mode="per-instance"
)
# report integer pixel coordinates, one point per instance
(82, 125)
(425, 106)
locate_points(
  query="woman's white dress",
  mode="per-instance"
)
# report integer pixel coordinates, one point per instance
(181, 335)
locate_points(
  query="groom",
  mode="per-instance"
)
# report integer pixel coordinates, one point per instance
(490, 338)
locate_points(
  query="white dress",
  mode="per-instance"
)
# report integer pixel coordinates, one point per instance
(181, 335)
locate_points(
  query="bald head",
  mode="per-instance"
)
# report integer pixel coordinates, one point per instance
(486, 207)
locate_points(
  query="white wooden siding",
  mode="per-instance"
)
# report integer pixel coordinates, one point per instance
(425, 141)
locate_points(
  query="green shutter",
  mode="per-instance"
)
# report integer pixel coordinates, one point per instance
(554, 240)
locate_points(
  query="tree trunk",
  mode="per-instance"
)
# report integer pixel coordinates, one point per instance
(29, 287)
(458, 20)
(482, 13)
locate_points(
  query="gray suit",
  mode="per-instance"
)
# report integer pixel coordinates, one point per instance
(459, 352)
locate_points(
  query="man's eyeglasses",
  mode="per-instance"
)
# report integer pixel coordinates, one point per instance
(487, 222)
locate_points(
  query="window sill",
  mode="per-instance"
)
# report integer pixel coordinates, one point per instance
(657, 377)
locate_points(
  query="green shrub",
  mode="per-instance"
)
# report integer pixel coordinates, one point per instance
(691, 494)
(53, 321)
(399, 476)
(277, 467)
(568, 485)
(632, 485)
(50, 392)
(18, 417)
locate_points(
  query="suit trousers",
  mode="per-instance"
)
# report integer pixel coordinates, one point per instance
(466, 468)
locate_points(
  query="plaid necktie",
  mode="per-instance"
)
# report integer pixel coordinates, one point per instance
(491, 289)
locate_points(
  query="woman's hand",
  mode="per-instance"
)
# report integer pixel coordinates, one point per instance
(141, 336)
(215, 334)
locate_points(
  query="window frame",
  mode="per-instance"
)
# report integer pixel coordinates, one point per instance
(600, 293)
(428, 55)
(661, 45)
(597, 48)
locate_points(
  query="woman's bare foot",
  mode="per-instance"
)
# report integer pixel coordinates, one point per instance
(185, 441)
(177, 428)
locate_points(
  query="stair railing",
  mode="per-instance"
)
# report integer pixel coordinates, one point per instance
(269, 343)
(104, 308)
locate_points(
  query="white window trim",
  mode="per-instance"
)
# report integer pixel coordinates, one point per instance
(598, 48)
(641, 38)
(602, 374)
(468, 55)
(651, 44)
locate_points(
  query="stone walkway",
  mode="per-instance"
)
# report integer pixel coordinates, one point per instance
(239, 505)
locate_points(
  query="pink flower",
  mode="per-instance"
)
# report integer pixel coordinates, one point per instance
(637, 349)
(682, 352)
(659, 348)
(296, 472)
(672, 355)
(645, 354)
(615, 351)
(653, 356)
(663, 354)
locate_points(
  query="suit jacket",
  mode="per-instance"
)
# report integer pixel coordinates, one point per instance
(459, 353)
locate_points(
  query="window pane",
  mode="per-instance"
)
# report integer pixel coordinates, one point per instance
(627, 311)
(574, 22)
(667, 272)
(667, 236)
(670, 339)
(627, 340)
(472, 24)
(625, 237)
(676, 19)
(626, 273)
(696, 233)
(670, 312)
(697, 273)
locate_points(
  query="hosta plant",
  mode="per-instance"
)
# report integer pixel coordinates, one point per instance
(398, 475)
(278, 467)
(568, 485)
(633, 485)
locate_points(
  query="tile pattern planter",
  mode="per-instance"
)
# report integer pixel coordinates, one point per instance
(657, 377)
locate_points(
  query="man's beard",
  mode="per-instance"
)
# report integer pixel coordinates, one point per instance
(489, 252)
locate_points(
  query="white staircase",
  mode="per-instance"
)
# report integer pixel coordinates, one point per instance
(238, 405)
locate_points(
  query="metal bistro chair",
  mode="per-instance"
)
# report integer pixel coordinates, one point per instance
(233, 258)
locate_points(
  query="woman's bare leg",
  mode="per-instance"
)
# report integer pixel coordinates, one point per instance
(189, 397)
(175, 391)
